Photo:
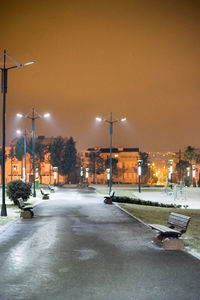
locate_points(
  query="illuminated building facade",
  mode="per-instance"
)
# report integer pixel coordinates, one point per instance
(44, 172)
(124, 165)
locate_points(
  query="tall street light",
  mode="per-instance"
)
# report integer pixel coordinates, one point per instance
(4, 73)
(170, 171)
(111, 121)
(19, 132)
(193, 175)
(33, 115)
(139, 174)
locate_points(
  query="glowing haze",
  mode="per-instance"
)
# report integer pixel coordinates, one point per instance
(137, 59)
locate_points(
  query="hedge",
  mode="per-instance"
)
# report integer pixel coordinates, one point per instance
(140, 202)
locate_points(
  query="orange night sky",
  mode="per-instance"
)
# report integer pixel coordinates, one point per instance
(139, 59)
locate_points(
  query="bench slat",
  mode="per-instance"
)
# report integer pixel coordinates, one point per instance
(178, 220)
(163, 229)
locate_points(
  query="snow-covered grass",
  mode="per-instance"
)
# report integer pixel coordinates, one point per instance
(191, 201)
(13, 212)
(160, 195)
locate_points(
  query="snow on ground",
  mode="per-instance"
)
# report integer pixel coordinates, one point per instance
(192, 200)
(13, 213)
(192, 197)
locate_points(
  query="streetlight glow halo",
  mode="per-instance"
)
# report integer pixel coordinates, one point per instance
(28, 63)
(46, 115)
(123, 119)
(18, 131)
(19, 115)
(99, 119)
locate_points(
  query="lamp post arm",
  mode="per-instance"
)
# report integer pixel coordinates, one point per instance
(13, 67)
(108, 121)
(31, 118)
(13, 60)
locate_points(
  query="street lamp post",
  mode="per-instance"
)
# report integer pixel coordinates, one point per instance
(111, 121)
(193, 175)
(171, 171)
(55, 170)
(139, 174)
(25, 142)
(87, 174)
(33, 115)
(4, 73)
(108, 176)
(188, 171)
(81, 174)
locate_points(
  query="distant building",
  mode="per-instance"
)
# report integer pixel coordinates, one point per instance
(93, 160)
(94, 166)
(44, 171)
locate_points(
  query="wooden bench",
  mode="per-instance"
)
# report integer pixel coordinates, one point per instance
(108, 199)
(169, 237)
(26, 211)
(45, 195)
(52, 189)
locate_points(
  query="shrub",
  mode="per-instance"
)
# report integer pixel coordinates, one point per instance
(18, 189)
(140, 202)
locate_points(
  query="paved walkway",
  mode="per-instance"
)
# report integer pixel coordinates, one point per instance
(76, 247)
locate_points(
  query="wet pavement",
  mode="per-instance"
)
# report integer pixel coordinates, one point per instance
(76, 247)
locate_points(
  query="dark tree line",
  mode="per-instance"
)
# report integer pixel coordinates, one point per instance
(63, 155)
(190, 157)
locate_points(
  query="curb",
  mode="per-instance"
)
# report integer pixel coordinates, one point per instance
(134, 217)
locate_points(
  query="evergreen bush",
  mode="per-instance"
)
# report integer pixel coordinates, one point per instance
(18, 189)
(140, 202)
